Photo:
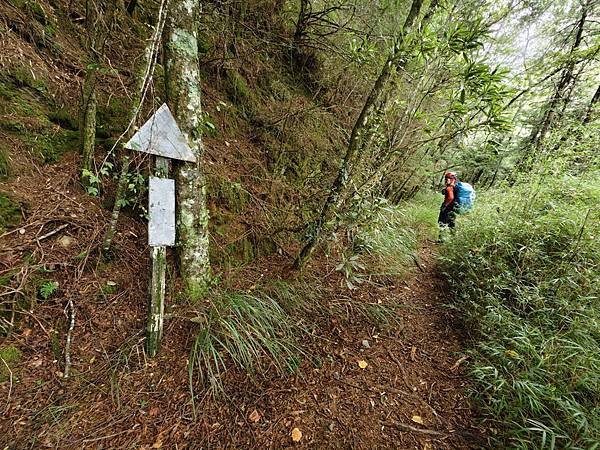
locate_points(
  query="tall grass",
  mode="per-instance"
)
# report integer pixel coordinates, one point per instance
(392, 235)
(525, 272)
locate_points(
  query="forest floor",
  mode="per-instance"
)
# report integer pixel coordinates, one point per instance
(410, 395)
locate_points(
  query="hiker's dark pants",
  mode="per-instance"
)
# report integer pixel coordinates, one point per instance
(447, 216)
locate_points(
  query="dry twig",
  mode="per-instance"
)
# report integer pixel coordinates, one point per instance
(71, 316)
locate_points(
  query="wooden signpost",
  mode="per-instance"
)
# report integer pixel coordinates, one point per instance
(160, 136)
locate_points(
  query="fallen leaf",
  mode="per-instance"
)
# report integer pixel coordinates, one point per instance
(296, 435)
(413, 353)
(154, 411)
(363, 364)
(157, 444)
(254, 416)
(511, 353)
(417, 419)
(27, 332)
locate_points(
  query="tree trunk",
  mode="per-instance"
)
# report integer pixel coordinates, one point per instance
(361, 125)
(559, 97)
(183, 96)
(589, 113)
(88, 119)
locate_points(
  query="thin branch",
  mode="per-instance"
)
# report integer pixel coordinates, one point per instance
(70, 315)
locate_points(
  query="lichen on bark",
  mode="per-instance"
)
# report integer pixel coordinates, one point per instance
(184, 99)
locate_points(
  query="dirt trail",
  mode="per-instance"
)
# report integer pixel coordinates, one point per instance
(118, 399)
(412, 371)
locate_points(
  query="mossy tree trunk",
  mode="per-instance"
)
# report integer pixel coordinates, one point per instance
(360, 131)
(99, 20)
(88, 119)
(183, 97)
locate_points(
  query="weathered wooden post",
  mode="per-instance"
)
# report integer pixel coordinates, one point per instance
(160, 136)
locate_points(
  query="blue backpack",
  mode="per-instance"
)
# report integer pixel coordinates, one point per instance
(465, 196)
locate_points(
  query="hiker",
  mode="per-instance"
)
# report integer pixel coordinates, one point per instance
(448, 208)
(458, 199)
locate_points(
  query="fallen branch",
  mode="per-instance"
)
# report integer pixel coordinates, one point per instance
(70, 315)
(53, 232)
(458, 362)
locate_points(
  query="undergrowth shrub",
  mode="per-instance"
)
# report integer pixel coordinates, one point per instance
(525, 272)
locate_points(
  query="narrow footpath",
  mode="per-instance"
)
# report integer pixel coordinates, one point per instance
(410, 395)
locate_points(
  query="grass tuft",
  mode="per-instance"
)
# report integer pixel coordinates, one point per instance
(251, 330)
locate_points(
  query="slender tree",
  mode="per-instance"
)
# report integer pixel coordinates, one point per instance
(142, 82)
(88, 103)
(592, 106)
(560, 96)
(395, 61)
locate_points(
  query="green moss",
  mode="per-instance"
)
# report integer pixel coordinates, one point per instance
(6, 278)
(109, 288)
(50, 147)
(111, 119)
(50, 30)
(10, 212)
(195, 292)
(22, 106)
(19, 3)
(204, 45)
(38, 12)
(11, 356)
(4, 168)
(55, 345)
(64, 118)
(23, 77)
(280, 90)
(12, 125)
(236, 87)
(230, 195)
(5, 90)
(32, 7)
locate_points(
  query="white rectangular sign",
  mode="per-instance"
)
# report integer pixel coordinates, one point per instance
(161, 211)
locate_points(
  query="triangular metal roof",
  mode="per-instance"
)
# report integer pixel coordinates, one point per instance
(161, 136)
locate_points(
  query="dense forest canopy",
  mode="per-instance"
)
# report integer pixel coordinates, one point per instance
(306, 221)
